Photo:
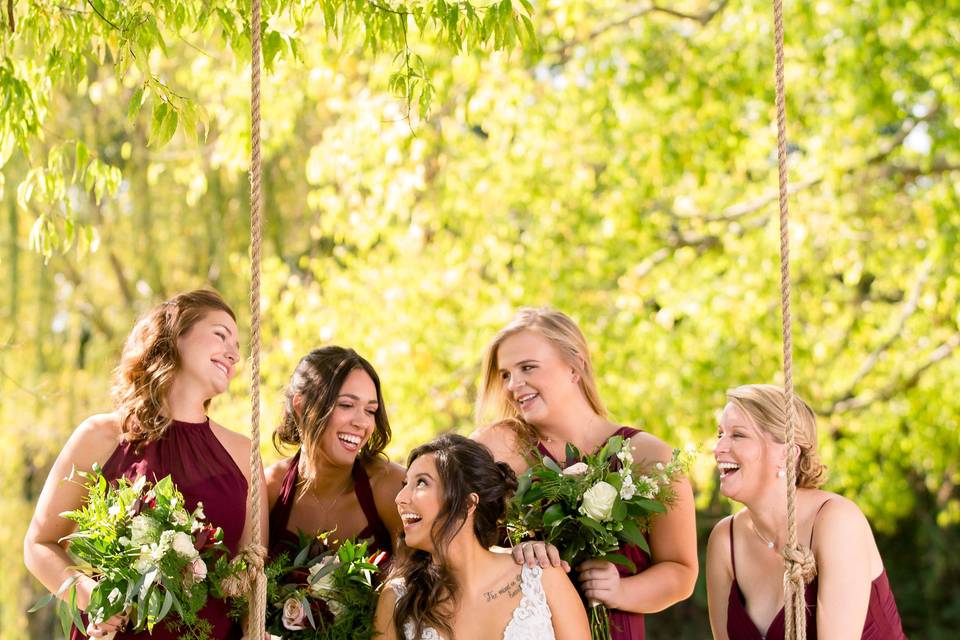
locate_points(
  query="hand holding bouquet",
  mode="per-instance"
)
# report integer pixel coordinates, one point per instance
(149, 556)
(323, 593)
(593, 507)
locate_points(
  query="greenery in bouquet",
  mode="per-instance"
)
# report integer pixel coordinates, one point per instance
(151, 557)
(593, 507)
(323, 593)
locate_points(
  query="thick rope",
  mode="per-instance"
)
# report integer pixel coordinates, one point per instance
(258, 597)
(793, 581)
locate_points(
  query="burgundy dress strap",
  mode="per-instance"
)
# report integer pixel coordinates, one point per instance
(364, 492)
(281, 539)
(626, 432)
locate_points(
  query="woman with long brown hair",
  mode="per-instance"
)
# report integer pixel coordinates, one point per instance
(538, 395)
(446, 581)
(179, 356)
(339, 479)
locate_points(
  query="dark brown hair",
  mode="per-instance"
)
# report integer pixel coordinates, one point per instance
(464, 467)
(150, 361)
(318, 379)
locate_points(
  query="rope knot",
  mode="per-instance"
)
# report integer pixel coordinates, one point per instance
(245, 566)
(801, 565)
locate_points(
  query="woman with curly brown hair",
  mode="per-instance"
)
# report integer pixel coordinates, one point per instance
(847, 594)
(338, 480)
(180, 355)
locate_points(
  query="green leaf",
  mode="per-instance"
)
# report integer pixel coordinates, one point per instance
(136, 104)
(632, 534)
(553, 515)
(549, 463)
(619, 558)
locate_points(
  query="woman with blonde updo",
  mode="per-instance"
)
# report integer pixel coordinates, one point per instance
(847, 593)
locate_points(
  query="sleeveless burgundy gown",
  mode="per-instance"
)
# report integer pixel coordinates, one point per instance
(204, 472)
(882, 623)
(624, 625)
(282, 539)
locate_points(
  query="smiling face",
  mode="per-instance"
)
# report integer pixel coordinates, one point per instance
(535, 377)
(419, 502)
(352, 418)
(747, 458)
(209, 352)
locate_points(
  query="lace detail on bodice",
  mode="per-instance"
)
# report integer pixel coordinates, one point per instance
(531, 619)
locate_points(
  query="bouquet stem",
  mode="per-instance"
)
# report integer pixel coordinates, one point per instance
(599, 622)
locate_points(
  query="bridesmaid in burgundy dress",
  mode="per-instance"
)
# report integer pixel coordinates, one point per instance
(848, 594)
(179, 356)
(539, 388)
(339, 479)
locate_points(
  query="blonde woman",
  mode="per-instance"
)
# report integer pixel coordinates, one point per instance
(848, 595)
(540, 394)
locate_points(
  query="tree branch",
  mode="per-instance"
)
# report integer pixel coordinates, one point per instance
(563, 49)
(864, 400)
(909, 308)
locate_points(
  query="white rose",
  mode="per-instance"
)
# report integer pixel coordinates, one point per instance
(598, 501)
(576, 470)
(319, 586)
(183, 545)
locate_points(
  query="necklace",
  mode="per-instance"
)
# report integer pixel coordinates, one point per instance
(769, 543)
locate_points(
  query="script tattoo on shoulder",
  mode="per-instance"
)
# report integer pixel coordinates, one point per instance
(510, 590)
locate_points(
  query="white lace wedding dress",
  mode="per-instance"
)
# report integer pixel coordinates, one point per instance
(531, 619)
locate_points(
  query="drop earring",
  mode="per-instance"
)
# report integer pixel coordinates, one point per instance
(781, 473)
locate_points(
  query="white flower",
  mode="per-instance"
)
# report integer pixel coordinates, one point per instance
(294, 614)
(179, 517)
(577, 470)
(628, 490)
(659, 466)
(625, 456)
(320, 585)
(144, 530)
(183, 545)
(143, 563)
(598, 501)
(114, 510)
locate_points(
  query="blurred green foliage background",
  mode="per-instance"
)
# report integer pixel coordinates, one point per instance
(621, 168)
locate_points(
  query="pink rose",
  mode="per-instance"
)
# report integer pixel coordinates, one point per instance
(294, 614)
(196, 571)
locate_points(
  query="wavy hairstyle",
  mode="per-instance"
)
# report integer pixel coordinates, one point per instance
(151, 359)
(318, 379)
(494, 405)
(465, 468)
(766, 406)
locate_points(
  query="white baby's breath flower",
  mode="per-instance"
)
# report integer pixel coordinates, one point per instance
(577, 470)
(598, 501)
(626, 457)
(660, 466)
(144, 530)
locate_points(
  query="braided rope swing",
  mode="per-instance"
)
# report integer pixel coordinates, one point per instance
(793, 578)
(258, 595)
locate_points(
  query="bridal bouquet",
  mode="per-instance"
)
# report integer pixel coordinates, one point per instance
(323, 593)
(593, 507)
(150, 556)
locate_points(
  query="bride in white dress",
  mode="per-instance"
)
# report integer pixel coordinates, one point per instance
(446, 583)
